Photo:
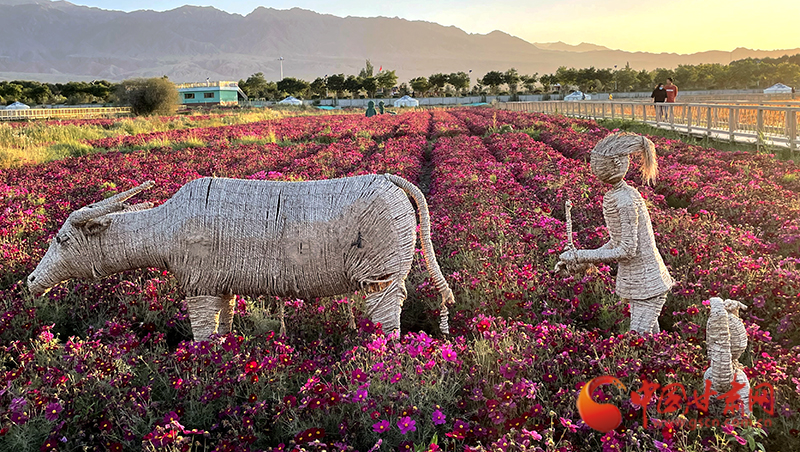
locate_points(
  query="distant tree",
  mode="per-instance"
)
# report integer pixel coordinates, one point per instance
(459, 80)
(529, 82)
(493, 80)
(336, 84)
(567, 77)
(437, 81)
(11, 92)
(625, 79)
(319, 87)
(644, 81)
(293, 86)
(547, 81)
(370, 85)
(353, 85)
(403, 89)
(257, 87)
(386, 80)
(148, 96)
(367, 71)
(420, 85)
(512, 78)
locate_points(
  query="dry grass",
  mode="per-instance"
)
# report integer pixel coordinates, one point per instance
(40, 142)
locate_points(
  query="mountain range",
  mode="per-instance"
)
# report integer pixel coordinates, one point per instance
(57, 41)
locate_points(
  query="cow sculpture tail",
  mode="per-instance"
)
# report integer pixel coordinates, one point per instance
(427, 247)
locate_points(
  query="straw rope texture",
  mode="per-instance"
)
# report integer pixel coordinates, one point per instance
(642, 276)
(228, 236)
(726, 339)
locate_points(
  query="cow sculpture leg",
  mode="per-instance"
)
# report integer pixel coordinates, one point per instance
(206, 312)
(226, 308)
(383, 305)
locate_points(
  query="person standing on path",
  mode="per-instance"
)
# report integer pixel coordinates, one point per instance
(672, 91)
(659, 97)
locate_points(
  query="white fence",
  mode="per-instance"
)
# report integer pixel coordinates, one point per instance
(63, 113)
(758, 124)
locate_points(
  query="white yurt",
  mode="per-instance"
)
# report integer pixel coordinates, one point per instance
(18, 106)
(577, 95)
(778, 88)
(291, 100)
(406, 101)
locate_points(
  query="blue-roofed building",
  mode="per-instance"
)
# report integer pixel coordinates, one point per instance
(211, 93)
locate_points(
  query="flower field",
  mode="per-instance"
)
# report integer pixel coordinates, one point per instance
(109, 365)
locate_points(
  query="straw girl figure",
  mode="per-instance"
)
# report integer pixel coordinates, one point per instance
(642, 278)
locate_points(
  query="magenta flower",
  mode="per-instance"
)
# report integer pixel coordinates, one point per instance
(359, 375)
(396, 378)
(438, 417)
(382, 426)
(448, 354)
(406, 424)
(51, 411)
(360, 395)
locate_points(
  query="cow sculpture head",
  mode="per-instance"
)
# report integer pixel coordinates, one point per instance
(74, 253)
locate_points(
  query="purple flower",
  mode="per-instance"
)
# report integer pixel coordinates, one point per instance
(17, 404)
(396, 378)
(406, 424)
(438, 417)
(382, 426)
(51, 411)
(360, 395)
(19, 417)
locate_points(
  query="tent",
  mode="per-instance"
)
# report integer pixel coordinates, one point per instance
(577, 95)
(778, 88)
(291, 100)
(18, 106)
(406, 101)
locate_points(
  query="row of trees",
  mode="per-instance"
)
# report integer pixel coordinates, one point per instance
(71, 93)
(741, 74)
(258, 87)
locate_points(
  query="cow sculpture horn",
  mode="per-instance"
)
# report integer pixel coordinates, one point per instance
(106, 206)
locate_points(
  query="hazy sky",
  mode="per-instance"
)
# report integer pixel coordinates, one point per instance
(681, 26)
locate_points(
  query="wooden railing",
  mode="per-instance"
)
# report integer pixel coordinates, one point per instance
(758, 124)
(63, 113)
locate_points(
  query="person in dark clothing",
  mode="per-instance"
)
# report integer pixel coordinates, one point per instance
(659, 97)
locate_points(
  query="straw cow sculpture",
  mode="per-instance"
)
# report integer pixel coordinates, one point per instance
(221, 237)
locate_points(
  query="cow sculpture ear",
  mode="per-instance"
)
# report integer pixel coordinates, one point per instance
(96, 225)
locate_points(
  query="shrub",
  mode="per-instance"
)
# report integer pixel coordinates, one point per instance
(151, 96)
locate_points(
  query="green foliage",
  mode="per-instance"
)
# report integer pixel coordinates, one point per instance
(437, 81)
(336, 83)
(319, 87)
(369, 84)
(420, 85)
(257, 87)
(293, 87)
(386, 80)
(493, 79)
(459, 80)
(147, 97)
(353, 85)
(512, 78)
